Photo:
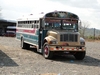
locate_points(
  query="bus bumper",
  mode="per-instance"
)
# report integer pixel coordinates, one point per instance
(61, 48)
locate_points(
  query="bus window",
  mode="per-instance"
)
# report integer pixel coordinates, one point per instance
(32, 25)
(37, 26)
(34, 21)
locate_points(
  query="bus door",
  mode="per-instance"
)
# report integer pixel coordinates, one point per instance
(42, 34)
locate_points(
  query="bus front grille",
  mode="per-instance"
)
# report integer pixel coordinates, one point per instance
(69, 37)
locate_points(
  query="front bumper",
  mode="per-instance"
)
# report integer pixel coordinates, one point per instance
(66, 48)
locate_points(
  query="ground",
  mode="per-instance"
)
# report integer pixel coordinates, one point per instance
(17, 61)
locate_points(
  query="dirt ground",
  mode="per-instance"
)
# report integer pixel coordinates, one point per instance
(17, 61)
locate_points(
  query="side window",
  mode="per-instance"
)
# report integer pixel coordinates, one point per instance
(32, 25)
(37, 26)
(35, 21)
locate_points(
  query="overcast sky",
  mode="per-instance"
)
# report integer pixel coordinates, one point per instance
(87, 10)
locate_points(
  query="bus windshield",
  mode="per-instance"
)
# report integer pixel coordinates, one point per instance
(70, 25)
(52, 24)
(61, 25)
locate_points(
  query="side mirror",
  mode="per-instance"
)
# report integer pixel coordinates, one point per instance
(79, 24)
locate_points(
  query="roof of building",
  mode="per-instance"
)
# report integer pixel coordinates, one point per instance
(10, 21)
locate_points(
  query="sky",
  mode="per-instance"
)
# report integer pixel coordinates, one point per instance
(87, 10)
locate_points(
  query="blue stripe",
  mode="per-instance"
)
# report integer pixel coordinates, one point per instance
(28, 37)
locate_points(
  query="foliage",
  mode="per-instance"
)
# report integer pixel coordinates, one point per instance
(89, 33)
(84, 26)
(92, 37)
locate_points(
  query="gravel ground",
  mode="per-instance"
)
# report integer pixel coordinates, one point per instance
(17, 61)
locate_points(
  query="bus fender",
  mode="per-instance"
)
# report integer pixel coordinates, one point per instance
(49, 39)
(82, 41)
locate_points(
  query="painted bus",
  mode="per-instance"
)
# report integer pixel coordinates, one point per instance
(52, 33)
(10, 31)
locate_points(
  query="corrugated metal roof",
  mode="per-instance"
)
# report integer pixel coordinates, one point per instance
(11, 27)
(3, 20)
(11, 21)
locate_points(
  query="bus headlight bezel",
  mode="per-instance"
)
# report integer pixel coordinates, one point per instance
(53, 42)
(82, 43)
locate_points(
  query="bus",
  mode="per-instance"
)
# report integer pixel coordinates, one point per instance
(10, 31)
(52, 33)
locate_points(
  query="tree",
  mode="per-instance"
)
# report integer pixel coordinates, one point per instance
(84, 26)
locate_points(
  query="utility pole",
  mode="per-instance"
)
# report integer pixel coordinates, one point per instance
(94, 33)
(0, 12)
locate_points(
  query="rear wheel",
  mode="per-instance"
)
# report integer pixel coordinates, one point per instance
(24, 45)
(80, 55)
(46, 52)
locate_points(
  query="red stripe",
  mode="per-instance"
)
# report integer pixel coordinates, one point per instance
(29, 31)
(72, 48)
(26, 30)
(62, 48)
(67, 48)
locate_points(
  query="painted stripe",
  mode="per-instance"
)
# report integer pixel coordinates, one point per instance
(21, 33)
(70, 49)
(62, 48)
(29, 31)
(33, 31)
(28, 37)
(66, 49)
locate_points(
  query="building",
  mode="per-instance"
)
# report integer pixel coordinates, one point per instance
(4, 24)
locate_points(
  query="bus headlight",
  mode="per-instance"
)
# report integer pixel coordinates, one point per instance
(82, 43)
(53, 42)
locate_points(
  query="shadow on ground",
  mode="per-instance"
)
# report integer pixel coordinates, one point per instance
(88, 60)
(6, 60)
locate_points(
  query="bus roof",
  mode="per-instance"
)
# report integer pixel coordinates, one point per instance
(61, 14)
(57, 14)
(31, 17)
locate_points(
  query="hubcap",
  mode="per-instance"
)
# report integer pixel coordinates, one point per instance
(21, 43)
(46, 50)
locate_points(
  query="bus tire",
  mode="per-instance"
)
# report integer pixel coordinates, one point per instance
(80, 55)
(46, 52)
(24, 45)
(27, 46)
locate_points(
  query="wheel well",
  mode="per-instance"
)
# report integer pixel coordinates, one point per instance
(21, 38)
(44, 41)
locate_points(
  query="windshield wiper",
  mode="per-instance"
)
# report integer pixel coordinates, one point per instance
(70, 28)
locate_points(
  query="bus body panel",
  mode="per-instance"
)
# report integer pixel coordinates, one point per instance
(30, 36)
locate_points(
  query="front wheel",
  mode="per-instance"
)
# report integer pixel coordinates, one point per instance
(46, 52)
(80, 55)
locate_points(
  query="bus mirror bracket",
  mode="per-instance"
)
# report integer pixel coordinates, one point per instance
(79, 24)
(41, 23)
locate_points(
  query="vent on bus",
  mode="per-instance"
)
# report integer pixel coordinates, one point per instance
(69, 37)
